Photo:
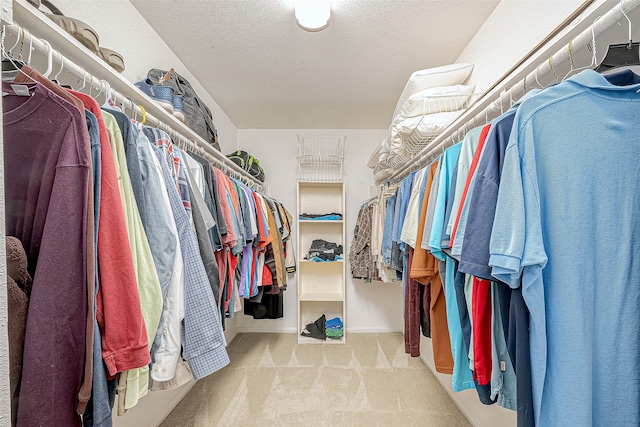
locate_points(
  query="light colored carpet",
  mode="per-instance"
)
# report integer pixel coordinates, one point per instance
(273, 381)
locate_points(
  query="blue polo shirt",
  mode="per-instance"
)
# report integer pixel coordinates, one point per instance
(566, 222)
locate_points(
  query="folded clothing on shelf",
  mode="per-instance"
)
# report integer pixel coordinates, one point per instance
(323, 329)
(316, 329)
(334, 328)
(318, 259)
(317, 217)
(324, 250)
(334, 323)
(335, 334)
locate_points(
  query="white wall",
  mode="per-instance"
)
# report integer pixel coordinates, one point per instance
(511, 31)
(370, 306)
(122, 28)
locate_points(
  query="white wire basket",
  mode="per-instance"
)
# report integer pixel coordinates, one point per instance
(321, 158)
(408, 136)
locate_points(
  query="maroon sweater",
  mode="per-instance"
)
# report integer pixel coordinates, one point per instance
(47, 170)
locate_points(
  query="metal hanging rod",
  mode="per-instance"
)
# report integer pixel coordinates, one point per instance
(26, 40)
(493, 101)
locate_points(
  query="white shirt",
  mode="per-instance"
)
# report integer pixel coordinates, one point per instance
(167, 353)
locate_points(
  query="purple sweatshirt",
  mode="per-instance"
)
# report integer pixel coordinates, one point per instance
(47, 170)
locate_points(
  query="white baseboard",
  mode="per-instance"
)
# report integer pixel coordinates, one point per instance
(292, 330)
(161, 415)
(467, 401)
(170, 406)
(267, 330)
(371, 330)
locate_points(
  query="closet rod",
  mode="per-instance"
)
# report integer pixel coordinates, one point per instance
(492, 103)
(201, 148)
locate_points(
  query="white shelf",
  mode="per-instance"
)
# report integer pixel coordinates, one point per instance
(321, 221)
(27, 16)
(303, 261)
(309, 340)
(321, 296)
(321, 183)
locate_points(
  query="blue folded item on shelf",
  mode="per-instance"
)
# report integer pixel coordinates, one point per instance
(331, 217)
(318, 259)
(334, 323)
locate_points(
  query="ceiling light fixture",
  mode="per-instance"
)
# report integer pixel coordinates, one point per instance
(312, 15)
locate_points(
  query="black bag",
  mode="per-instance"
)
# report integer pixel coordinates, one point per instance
(197, 114)
(249, 163)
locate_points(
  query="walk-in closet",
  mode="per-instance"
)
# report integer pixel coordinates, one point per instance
(320, 213)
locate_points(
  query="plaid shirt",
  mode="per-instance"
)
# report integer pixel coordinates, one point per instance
(360, 253)
(203, 341)
(173, 157)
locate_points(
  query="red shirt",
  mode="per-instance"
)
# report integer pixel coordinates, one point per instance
(124, 334)
(481, 315)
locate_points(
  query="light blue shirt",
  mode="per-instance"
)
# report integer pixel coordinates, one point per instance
(567, 219)
(388, 229)
(462, 377)
(434, 242)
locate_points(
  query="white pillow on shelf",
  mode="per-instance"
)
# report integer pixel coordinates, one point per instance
(446, 75)
(429, 125)
(435, 100)
(374, 159)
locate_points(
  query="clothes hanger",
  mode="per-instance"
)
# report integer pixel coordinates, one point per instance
(538, 81)
(18, 38)
(123, 104)
(91, 85)
(134, 112)
(9, 63)
(571, 63)
(49, 59)
(55, 78)
(100, 91)
(143, 120)
(30, 36)
(594, 59)
(111, 98)
(621, 55)
(553, 70)
(84, 80)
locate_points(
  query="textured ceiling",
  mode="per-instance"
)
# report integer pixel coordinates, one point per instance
(267, 73)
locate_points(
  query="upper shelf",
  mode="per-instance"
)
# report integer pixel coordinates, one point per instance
(320, 183)
(39, 25)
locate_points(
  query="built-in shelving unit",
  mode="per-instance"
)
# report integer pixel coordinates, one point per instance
(321, 285)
